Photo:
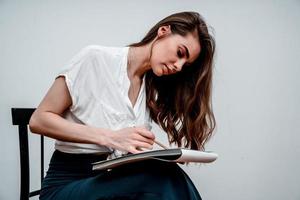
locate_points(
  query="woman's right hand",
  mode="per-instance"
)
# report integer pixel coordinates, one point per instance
(130, 139)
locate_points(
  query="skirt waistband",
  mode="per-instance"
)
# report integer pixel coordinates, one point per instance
(70, 157)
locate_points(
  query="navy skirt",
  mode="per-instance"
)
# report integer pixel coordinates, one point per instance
(70, 176)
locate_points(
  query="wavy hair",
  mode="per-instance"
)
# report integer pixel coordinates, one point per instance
(180, 103)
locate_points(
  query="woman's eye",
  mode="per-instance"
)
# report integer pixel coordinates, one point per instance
(179, 53)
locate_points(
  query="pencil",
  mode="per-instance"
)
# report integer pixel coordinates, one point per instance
(160, 144)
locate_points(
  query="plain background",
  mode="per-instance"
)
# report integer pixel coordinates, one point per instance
(255, 93)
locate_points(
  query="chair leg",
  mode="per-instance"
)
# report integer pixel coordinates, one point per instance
(24, 161)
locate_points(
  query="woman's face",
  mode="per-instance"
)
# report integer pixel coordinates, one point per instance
(171, 52)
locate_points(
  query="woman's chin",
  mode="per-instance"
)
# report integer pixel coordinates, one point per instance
(158, 73)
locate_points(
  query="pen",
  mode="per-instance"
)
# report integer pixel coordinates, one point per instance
(155, 141)
(160, 144)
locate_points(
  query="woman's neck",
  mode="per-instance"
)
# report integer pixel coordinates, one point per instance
(138, 61)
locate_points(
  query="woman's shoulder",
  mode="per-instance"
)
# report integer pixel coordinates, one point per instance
(101, 50)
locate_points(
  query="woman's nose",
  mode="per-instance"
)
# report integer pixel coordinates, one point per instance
(178, 65)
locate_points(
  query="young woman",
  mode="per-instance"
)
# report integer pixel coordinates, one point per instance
(101, 103)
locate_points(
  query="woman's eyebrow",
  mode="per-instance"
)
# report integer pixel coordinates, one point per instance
(187, 51)
(187, 54)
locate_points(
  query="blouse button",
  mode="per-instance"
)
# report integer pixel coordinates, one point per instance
(132, 124)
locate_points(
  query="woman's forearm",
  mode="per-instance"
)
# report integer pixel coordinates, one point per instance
(54, 126)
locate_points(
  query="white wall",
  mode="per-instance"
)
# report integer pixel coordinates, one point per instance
(255, 95)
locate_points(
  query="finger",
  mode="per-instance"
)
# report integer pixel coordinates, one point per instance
(141, 138)
(145, 145)
(134, 150)
(147, 126)
(144, 132)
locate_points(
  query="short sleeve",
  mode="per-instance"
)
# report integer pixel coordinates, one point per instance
(80, 74)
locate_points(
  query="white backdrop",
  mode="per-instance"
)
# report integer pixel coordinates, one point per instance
(255, 93)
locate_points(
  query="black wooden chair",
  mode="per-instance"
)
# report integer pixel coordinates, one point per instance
(21, 117)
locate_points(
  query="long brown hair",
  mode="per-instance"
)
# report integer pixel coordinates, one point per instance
(181, 103)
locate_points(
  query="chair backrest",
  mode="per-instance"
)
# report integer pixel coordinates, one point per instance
(21, 117)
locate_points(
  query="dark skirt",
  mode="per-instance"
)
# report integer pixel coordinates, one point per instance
(70, 176)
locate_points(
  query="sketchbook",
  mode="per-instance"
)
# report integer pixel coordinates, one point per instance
(168, 155)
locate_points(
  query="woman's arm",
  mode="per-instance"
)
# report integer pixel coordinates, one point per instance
(47, 120)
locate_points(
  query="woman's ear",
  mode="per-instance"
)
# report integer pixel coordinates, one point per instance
(163, 31)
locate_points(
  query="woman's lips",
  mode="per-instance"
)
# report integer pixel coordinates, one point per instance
(168, 71)
(165, 69)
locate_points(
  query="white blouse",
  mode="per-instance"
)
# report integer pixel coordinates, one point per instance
(98, 84)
